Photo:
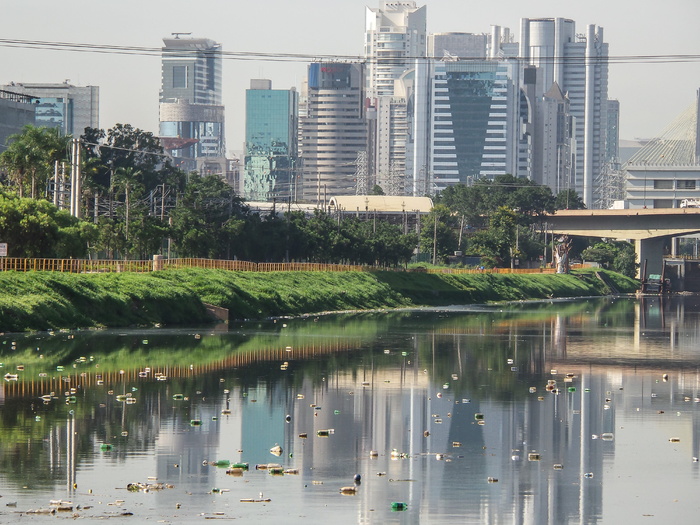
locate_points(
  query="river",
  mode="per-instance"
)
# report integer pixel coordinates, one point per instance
(582, 411)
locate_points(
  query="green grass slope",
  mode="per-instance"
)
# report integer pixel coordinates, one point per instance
(41, 300)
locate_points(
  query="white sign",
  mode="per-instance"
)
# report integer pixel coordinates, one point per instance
(3, 249)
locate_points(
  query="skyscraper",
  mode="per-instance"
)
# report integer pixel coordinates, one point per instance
(464, 122)
(333, 130)
(65, 106)
(395, 34)
(270, 141)
(578, 64)
(191, 114)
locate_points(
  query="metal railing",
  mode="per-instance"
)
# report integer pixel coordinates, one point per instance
(143, 266)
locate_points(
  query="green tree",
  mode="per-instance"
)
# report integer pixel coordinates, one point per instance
(616, 255)
(30, 158)
(569, 200)
(440, 225)
(209, 220)
(36, 228)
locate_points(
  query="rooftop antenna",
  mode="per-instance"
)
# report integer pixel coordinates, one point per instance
(177, 35)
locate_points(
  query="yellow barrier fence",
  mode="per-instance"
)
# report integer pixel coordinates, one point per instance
(115, 266)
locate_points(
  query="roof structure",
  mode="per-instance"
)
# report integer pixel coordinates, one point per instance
(382, 203)
(676, 146)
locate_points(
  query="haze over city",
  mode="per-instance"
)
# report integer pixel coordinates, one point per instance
(653, 64)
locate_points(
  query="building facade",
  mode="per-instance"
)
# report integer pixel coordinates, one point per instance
(270, 142)
(666, 171)
(16, 111)
(464, 123)
(191, 109)
(65, 106)
(333, 131)
(578, 64)
(395, 34)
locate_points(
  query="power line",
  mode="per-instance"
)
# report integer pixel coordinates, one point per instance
(305, 57)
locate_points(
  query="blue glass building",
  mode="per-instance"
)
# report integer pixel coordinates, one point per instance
(270, 142)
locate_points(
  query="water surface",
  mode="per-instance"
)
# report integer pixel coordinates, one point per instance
(459, 395)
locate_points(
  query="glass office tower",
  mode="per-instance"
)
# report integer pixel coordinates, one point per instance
(270, 142)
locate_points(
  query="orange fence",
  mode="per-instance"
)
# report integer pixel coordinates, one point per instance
(108, 266)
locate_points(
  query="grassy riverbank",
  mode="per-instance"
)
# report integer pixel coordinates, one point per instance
(42, 300)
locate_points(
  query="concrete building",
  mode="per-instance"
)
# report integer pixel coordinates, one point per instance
(16, 111)
(333, 131)
(65, 106)
(395, 34)
(271, 142)
(190, 104)
(666, 171)
(578, 64)
(457, 45)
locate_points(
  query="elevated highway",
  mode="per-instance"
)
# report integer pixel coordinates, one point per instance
(652, 230)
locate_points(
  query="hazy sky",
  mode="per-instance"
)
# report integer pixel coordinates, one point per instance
(651, 92)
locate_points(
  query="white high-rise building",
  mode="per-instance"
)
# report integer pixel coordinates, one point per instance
(395, 34)
(578, 65)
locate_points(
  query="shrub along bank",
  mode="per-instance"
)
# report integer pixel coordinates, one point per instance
(43, 300)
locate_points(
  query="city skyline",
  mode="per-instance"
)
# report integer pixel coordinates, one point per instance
(310, 28)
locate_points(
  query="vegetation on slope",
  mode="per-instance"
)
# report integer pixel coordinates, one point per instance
(41, 300)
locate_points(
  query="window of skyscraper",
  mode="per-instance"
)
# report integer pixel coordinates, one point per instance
(179, 76)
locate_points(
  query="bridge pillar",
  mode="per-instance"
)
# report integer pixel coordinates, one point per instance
(653, 251)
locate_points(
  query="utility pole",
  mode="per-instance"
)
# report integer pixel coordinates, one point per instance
(75, 185)
(435, 242)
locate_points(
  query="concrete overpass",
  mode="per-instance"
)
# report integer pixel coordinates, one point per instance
(651, 229)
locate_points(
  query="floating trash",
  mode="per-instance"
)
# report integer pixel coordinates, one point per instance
(61, 505)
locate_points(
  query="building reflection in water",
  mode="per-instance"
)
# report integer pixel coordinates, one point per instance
(417, 384)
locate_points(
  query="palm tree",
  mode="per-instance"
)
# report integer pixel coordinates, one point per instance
(33, 153)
